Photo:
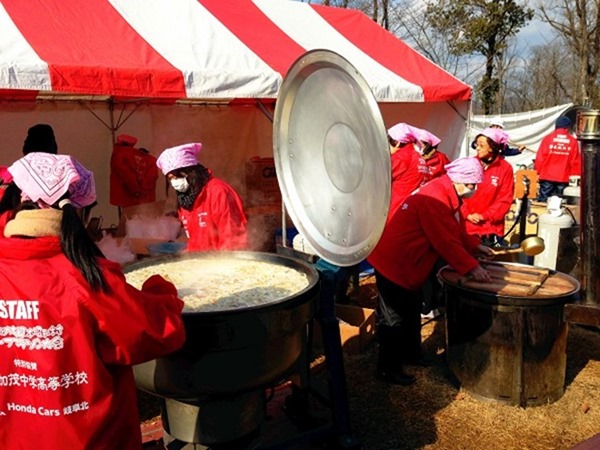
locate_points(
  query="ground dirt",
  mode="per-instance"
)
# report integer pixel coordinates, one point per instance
(434, 413)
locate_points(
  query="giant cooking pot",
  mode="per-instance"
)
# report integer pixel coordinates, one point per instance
(234, 350)
(506, 339)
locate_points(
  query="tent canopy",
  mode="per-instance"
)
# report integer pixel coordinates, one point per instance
(170, 72)
(199, 49)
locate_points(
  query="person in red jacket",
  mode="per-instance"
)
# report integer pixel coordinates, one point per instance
(424, 228)
(133, 174)
(408, 167)
(71, 327)
(40, 138)
(497, 122)
(484, 212)
(558, 157)
(210, 210)
(5, 179)
(434, 159)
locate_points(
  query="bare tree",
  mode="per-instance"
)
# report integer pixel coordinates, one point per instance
(577, 22)
(547, 77)
(516, 83)
(408, 20)
(480, 27)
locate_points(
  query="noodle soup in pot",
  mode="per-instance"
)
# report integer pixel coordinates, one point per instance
(221, 284)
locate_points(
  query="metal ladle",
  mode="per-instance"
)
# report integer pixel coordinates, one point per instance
(531, 246)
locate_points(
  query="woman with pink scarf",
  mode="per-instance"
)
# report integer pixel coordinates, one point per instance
(484, 211)
(409, 169)
(424, 228)
(210, 210)
(70, 326)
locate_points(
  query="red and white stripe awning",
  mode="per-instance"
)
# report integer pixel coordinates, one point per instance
(199, 49)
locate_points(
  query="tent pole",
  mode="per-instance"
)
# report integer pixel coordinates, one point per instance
(283, 225)
(111, 115)
(264, 110)
(269, 116)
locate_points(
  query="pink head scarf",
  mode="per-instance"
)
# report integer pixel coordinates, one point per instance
(497, 135)
(174, 158)
(427, 137)
(403, 133)
(465, 170)
(47, 177)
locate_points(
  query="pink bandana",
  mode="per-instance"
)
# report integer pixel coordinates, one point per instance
(83, 191)
(47, 177)
(465, 170)
(403, 133)
(495, 134)
(178, 157)
(427, 137)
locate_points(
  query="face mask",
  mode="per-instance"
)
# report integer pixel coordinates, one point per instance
(180, 184)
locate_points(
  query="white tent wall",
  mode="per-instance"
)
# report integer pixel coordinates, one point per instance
(526, 128)
(230, 134)
(78, 132)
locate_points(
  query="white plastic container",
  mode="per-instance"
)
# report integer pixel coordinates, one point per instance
(549, 227)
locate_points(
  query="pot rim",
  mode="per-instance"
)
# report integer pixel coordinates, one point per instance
(511, 300)
(298, 264)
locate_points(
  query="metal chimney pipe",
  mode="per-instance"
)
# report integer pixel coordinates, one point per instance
(588, 135)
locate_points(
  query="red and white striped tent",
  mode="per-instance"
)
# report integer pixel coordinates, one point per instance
(174, 71)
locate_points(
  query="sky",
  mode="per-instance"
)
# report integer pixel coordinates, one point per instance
(535, 33)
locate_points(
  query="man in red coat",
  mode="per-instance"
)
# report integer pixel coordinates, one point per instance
(210, 210)
(133, 174)
(558, 157)
(424, 228)
(484, 212)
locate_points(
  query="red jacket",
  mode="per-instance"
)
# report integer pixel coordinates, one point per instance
(66, 352)
(558, 157)
(424, 228)
(492, 199)
(409, 171)
(5, 216)
(435, 164)
(133, 175)
(217, 220)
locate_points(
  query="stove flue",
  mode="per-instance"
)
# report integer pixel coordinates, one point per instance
(588, 134)
(587, 310)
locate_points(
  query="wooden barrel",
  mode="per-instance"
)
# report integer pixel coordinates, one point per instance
(506, 339)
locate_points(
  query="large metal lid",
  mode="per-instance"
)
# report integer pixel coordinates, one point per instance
(332, 157)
